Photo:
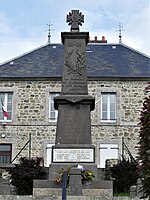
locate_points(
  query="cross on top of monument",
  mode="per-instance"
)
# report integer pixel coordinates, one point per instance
(75, 18)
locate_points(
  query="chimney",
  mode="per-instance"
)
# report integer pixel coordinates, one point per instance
(98, 41)
(103, 40)
(95, 39)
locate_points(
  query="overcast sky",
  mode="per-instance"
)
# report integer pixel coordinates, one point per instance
(23, 23)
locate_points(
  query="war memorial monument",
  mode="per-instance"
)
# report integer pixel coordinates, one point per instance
(73, 143)
(73, 134)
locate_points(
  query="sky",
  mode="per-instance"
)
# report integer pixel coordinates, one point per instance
(23, 23)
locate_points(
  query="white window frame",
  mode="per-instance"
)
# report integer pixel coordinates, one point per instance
(108, 119)
(5, 102)
(51, 103)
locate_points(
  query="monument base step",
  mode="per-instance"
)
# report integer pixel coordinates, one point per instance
(103, 189)
(87, 194)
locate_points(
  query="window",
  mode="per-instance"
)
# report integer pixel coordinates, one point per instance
(108, 151)
(5, 153)
(108, 107)
(5, 106)
(53, 114)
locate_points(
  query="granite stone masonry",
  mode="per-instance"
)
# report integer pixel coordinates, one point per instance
(31, 115)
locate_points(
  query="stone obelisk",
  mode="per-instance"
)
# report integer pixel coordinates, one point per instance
(73, 135)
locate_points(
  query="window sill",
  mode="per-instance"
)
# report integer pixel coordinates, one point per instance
(53, 122)
(4, 123)
(108, 122)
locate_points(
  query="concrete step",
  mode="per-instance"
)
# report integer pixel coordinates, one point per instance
(24, 197)
(74, 198)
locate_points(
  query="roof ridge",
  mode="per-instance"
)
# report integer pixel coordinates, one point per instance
(103, 43)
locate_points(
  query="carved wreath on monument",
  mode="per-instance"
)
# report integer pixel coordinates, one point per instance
(79, 65)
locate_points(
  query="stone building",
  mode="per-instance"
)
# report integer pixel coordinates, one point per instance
(117, 76)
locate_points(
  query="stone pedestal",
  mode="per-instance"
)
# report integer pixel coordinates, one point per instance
(133, 191)
(96, 190)
(74, 123)
(75, 185)
(55, 167)
(73, 135)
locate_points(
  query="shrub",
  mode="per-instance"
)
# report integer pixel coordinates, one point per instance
(144, 145)
(124, 175)
(22, 174)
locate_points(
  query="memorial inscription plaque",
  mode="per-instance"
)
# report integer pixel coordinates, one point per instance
(73, 155)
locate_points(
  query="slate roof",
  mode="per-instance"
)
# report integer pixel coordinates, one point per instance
(103, 60)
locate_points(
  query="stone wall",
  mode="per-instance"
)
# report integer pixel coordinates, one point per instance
(13, 197)
(130, 97)
(31, 111)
